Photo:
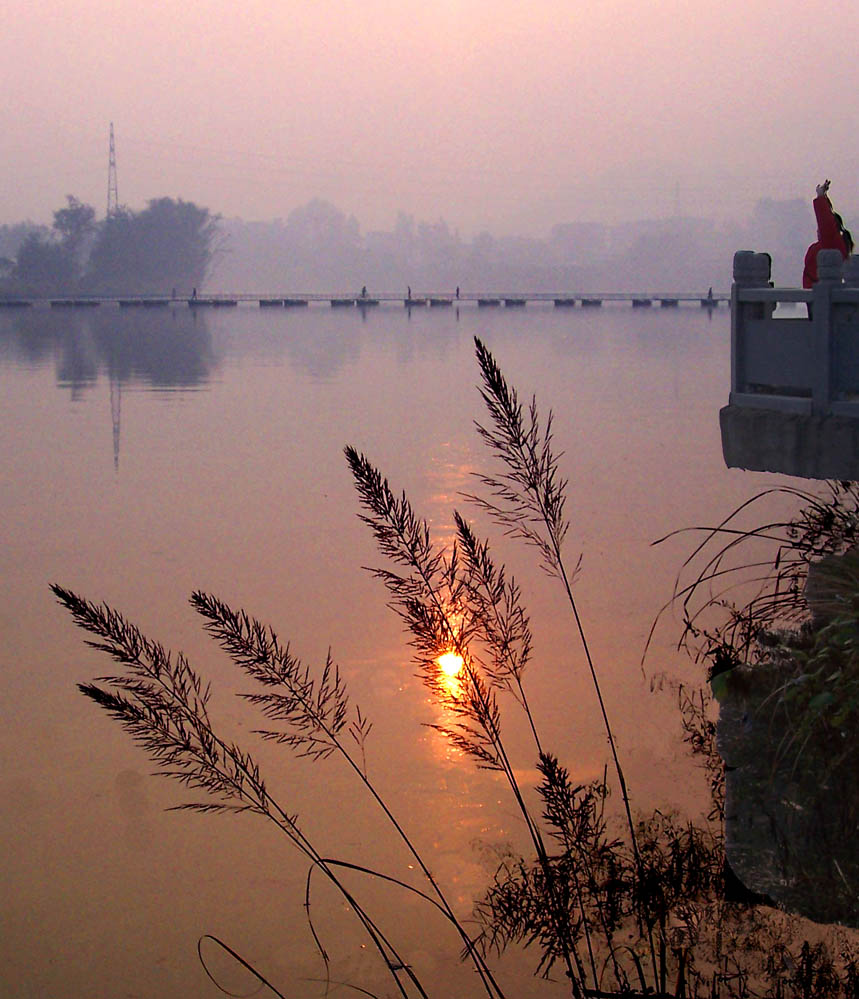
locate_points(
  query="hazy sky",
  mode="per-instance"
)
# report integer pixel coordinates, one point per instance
(506, 115)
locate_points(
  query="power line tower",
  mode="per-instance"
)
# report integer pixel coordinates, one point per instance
(112, 195)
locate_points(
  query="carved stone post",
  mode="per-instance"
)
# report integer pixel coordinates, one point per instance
(751, 270)
(845, 333)
(829, 264)
(850, 271)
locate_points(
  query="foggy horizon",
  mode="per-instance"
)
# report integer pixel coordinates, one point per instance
(180, 246)
(495, 118)
(669, 202)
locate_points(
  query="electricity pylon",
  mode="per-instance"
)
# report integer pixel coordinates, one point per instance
(112, 195)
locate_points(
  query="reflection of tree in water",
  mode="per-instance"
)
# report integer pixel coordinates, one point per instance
(29, 337)
(165, 349)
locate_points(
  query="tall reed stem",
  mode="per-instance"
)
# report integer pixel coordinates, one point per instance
(529, 498)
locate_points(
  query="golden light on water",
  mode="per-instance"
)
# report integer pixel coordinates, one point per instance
(450, 664)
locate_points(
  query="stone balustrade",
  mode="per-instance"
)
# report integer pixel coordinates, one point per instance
(794, 401)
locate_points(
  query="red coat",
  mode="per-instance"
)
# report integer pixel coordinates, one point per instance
(828, 238)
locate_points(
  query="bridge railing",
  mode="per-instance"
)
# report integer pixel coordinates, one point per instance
(807, 364)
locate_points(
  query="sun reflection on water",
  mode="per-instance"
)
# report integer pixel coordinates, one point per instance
(450, 663)
(450, 670)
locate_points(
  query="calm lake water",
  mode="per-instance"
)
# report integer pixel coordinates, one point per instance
(147, 455)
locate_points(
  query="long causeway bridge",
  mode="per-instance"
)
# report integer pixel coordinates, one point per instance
(481, 300)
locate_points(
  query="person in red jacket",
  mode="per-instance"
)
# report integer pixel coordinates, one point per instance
(831, 235)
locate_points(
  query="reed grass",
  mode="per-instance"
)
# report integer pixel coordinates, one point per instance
(743, 612)
(771, 588)
(633, 911)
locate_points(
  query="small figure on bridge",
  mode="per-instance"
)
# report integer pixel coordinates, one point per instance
(831, 235)
(364, 292)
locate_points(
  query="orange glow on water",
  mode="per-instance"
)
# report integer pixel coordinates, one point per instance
(450, 664)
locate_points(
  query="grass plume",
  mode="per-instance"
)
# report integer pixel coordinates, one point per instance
(634, 911)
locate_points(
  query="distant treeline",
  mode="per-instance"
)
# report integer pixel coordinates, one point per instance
(318, 248)
(168, 246)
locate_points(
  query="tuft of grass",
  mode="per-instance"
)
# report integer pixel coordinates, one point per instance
(762, 591)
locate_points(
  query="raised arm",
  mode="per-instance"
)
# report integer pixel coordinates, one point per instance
(828, 231)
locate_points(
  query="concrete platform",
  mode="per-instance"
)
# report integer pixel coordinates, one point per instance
(793, 443)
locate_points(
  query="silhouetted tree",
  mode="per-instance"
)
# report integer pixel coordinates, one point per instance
(167, 245)
(51, 262)
(74, 225)
(12, 237)
(11, 240)
(114, 264)
(44, 267)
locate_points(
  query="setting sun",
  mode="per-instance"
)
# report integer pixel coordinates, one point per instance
(450, 663)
